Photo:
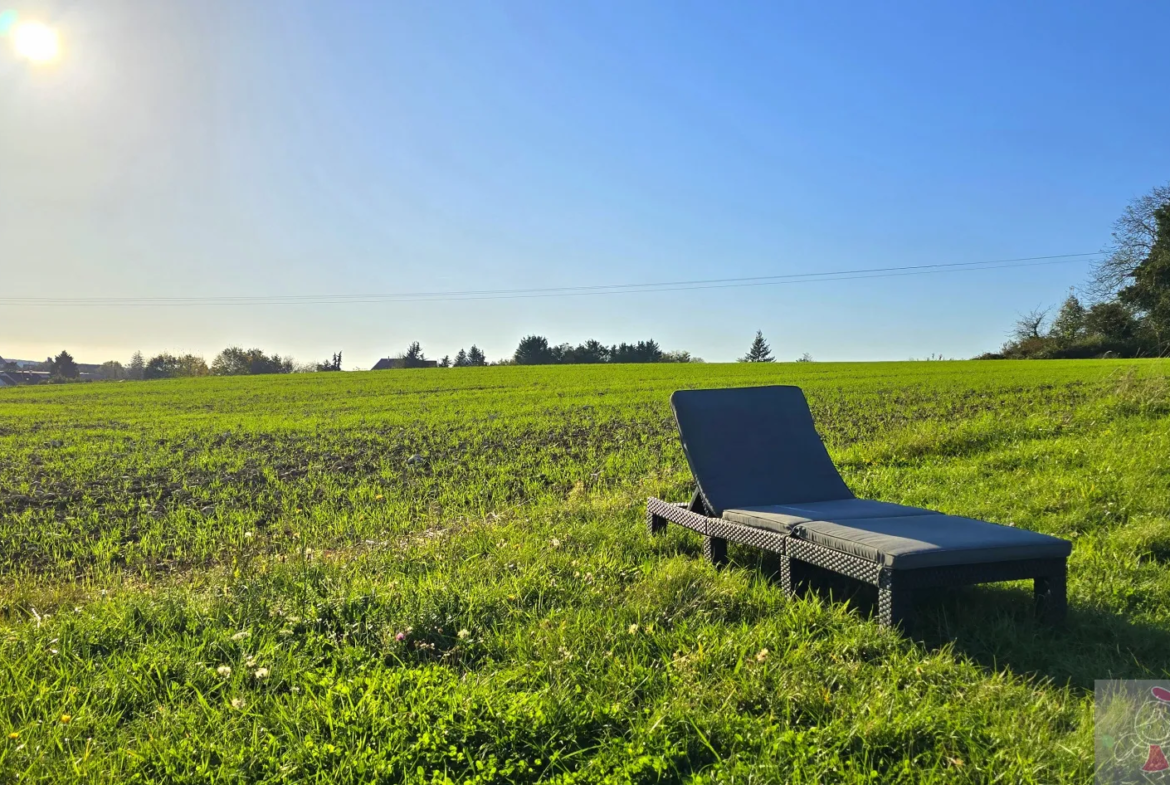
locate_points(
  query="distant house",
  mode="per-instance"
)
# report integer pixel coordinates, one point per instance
(14, 378)
(386, 363)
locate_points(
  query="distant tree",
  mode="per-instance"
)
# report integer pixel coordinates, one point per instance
(111, 370)
(63, 367)
(193, 365)
(1030, 325)
(680, 356)
(591, 352)
(533, 350)
(169, 366)
(234, 361)
(1134, 234)
(445, 362)
(414, 357)
(562, 354)
(759, 351)
(805, 358)
(161, 366)
(333, 364)
(1112, 322)
(9, 365)
(137, 366)
(640, 352)
(1069, 324)
(586, 353)
(475, 356)
(461, 360)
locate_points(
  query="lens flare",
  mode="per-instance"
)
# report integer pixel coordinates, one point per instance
(36, 42)
(7, 21)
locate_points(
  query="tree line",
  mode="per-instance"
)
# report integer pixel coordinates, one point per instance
(235, 361)
(536, 350)
(232, 361)
(1125, 311)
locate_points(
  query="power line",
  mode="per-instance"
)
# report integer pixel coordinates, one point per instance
(560, 291)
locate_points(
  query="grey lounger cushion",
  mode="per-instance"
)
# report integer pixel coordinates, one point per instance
(931, 541)
(782, 517)
(753, 446)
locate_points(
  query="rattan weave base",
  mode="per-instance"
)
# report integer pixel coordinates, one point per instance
(896, 588)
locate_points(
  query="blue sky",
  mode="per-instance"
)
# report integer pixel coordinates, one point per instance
(290, 148)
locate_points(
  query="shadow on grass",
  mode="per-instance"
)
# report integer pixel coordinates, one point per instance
(993, 625)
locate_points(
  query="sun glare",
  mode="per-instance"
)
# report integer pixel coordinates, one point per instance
(36, 42)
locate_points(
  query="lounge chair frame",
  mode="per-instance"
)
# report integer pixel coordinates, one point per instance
(895, 587)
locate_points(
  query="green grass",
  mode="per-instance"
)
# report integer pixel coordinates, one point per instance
(443, 575)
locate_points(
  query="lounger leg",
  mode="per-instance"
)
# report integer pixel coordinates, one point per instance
(793, 575)
(895, 603)
(1051, 596)
(655, 524)
(715, 549)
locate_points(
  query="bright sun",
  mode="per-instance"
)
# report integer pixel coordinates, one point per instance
(38, 42)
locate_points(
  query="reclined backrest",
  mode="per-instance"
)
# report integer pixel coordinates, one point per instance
(754, 446)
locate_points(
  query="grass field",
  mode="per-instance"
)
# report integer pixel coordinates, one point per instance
(443, 575)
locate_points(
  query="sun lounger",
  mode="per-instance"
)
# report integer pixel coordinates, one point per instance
(764, 478)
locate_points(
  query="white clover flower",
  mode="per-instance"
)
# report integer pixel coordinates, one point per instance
(261, 673)
(224, 670)
(464, 635)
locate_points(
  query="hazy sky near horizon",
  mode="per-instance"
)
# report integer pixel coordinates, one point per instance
(193, 149)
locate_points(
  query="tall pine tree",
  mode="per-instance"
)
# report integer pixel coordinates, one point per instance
(759, 352)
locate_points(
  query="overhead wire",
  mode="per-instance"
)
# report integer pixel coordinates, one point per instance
(558, 291)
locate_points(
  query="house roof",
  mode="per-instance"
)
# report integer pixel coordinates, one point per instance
(386, 363)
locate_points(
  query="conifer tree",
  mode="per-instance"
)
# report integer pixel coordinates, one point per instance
(759, 352)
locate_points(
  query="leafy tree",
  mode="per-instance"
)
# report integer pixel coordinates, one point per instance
(805, 358)
(234, 361)
(162, 366)
(759, 351)
(137, 366)
(562, 354)
(333, 364)
(1134, 234)
(460, 360)
(111, 370)
(1111, 321)
(533, 350)
(169, 366)
(1069, 324)
(445, 362)
(1030, 326)
(680, 356)
(193, 365)
(1150, 290)
(414, 357)
(588, 353)
(63, 367)
(475, 356)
